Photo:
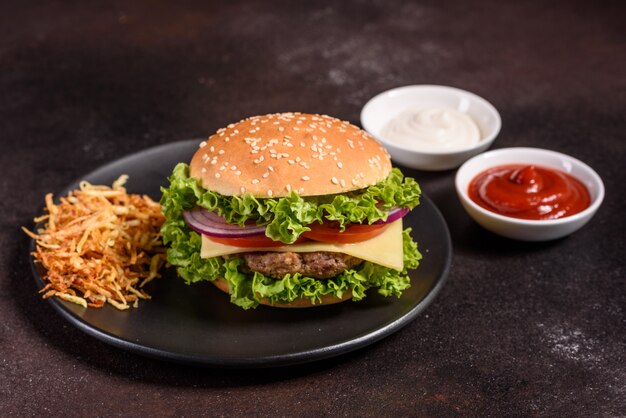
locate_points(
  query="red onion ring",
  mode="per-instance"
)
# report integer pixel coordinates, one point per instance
(395, 213)
(210, 223)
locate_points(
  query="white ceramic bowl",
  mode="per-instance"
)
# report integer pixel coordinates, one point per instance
(521, 229)
(379, 110)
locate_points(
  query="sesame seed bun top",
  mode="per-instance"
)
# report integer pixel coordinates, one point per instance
(271, 155)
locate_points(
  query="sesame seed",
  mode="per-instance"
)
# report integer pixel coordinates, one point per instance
(203, 170)
(291, 162)
(218, 175)
(334, 180)
(242, 189)
(255, 181)
(339, 164)
(266, 175)
(270, 193)
(220, 152)
(343, 183)
(202, 144)
(302, 144)
(237, 173)
(270, 168)
(280, 128)
(233, 167)
(214, 161)
(212, 148)
(306, 178)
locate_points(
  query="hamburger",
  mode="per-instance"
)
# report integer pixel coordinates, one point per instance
(291, 210)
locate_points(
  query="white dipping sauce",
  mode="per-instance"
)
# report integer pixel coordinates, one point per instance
(432, 129)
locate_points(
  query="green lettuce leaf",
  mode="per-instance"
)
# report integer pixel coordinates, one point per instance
(288, 217)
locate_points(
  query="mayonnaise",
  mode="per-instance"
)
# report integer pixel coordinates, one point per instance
(432, 129)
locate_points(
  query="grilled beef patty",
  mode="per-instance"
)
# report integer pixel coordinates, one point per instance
(320, 265)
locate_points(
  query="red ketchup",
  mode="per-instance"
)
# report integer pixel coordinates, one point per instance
(529, 192)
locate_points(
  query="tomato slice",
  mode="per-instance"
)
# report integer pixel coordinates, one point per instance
(254, 241)
(352, 233)
(322, 233)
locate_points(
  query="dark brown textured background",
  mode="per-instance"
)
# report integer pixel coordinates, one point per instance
(520, 329)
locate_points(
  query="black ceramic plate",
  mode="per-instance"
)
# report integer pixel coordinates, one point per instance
(197, 324)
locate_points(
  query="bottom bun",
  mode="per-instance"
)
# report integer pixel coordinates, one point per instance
(296, 303)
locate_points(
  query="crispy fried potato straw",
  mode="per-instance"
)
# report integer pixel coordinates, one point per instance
(100, 245)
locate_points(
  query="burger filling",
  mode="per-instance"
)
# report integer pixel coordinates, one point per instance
(309, 270)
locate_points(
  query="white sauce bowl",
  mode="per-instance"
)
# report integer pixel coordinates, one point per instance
(384, 107)
(522, 229)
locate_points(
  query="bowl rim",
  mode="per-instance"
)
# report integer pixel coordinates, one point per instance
(485, 141)
(586, 213)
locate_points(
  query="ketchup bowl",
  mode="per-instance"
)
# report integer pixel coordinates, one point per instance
(504, 223)
(434, 137)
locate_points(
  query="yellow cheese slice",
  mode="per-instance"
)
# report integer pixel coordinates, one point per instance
(384, 249)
